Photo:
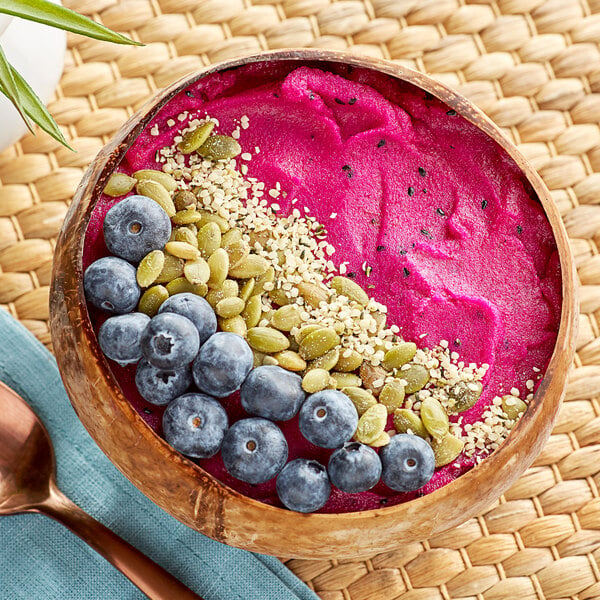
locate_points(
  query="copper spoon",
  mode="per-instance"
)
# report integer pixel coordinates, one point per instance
(28, 484)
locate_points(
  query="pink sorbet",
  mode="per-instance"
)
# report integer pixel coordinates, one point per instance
(459, 245)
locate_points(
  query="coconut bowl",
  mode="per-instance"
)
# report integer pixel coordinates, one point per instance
(197, 499)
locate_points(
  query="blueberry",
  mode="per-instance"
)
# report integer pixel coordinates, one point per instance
(196, 309)
(328, 419)
(136, 226)
(273, 393)
(110, 284)
(160, 386)
(222, 364)
(119, 337)
(408, 462)
(254, 450)
(194, 424)
(354, 468)
(170, 341)
(303, 485)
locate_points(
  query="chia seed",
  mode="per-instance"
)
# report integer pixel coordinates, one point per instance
(339, 101)
(411, 191)
(422, 172)
(402, 252)
(275, 94)
(351, 275)
(484, 204)
(426, 234)
(348, 170)
(519, 229)
(189, 94)
(440, 212)
(352, 101)
(312, 96)
(406, 271)
(380, 143)
(380, 248)
(457, 342)
(147, 410)
(451, 113)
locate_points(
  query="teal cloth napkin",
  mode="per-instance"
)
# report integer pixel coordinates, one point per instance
(40, 559)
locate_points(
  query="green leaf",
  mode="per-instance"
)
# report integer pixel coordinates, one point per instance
(55, 15)
(35, 109)
(9, 87)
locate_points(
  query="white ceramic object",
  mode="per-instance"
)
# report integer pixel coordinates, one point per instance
(38, 53)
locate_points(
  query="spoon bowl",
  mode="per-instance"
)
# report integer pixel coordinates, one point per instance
(28, 484)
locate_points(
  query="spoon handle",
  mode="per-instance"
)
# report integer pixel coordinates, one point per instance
(143, 572)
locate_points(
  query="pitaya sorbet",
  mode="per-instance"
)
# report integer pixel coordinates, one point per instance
(427, 214)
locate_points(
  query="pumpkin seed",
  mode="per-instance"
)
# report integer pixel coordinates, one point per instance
(380, 318)
(164, 179)
(313, 295)
(229, 307)
(155, 191)
(238, 252)
(172, 269)
(290, 360)
(279, 297)
(371, 424)
(219, 147)
(182, 250)
(513, 406)
(247, 289)
(208, 239)
(193, 139)
(304, 331)
(286, 317)
(382, 440)
(258, 357)
(267, 277)
(392, 396)
(208, 217)
(186, 216)
(464, 395)
(218, 263)
(361, 398)
(399, 355)
(119, 184)
(233, 235)
(252, 266)
(350, 289)
(371, 375)
(150, 268)
(196, 271)
(327, 361)
(434, 417)
(152, 299)
(267, 339)
(214, 296)
(406, 421)
(348, 363)
(416, 377)
(315, 380)
(343, 380)
(183, 234)
(181, 285)
(184, 200)
(252, 312)
(318, 342)
(230, 289)
(233, 325)
(446, 449)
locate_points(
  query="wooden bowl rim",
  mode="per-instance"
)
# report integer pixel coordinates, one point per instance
(526, 432)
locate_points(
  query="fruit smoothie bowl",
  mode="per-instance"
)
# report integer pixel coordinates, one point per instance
(314, 305)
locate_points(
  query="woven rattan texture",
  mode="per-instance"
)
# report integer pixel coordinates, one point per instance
(534, 67)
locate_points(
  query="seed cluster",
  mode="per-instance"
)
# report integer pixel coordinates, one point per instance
(271, 279)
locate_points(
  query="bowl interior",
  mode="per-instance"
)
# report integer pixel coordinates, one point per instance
(197, 498)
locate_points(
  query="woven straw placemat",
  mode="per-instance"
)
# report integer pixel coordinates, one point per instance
(534, 67)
